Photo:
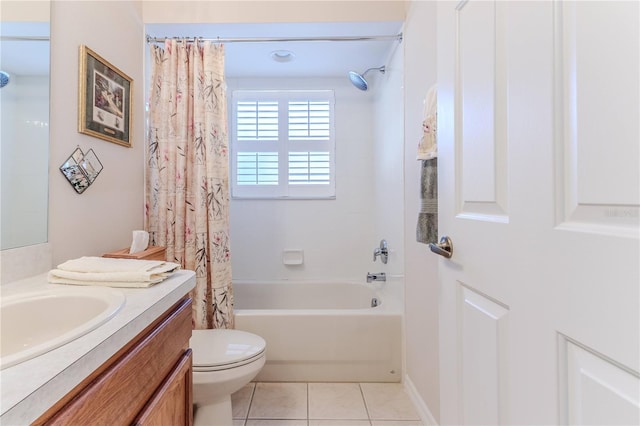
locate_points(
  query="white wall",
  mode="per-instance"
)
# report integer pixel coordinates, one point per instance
(25, 11)
(421, 272)
(335, 234)
(220, 11)
(102, 218)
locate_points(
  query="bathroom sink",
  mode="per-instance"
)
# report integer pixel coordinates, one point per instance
(37, 322)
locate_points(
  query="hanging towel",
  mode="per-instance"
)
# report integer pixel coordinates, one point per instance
(428, 146)
(427, 226)
(112, 272)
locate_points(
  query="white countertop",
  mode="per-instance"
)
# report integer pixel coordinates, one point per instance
(30, 388)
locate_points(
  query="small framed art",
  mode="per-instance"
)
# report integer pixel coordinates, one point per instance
(104, 99)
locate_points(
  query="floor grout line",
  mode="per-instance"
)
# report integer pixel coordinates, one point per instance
(308, 404)
(364, 400)
(245, 420)
(253, 392)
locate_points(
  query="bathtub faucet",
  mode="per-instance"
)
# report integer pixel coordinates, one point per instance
(381, 276)
(382, 251)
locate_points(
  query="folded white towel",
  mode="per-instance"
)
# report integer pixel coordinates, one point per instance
(108, 264)
(121, 284)
(112, 272)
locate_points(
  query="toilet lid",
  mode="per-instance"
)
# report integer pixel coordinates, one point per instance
(213, 348)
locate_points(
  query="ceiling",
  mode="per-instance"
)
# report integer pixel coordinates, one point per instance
(312, 59)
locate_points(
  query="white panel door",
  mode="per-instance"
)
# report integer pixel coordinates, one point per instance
(539, 183)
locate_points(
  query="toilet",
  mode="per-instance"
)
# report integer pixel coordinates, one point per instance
(223, 362)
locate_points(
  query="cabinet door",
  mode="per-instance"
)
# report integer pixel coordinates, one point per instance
(125, 385)
(172, 403)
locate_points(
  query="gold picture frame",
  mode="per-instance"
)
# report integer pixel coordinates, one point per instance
(104, 99)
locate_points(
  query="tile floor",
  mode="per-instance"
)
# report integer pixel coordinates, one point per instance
(323, 404)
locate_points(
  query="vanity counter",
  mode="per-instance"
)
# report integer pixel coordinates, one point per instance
(30, 388)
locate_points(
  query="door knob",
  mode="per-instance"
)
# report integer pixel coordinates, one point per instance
(443, 248)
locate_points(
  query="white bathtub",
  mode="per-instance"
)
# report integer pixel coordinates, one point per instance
(321, 331)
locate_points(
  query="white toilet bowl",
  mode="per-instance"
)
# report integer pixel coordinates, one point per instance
(223, 362)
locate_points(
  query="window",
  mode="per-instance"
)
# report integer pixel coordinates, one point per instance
(282, 144)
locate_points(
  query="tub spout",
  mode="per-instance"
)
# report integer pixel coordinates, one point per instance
(381, 276)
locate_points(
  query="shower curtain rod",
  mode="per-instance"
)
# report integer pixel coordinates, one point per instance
(24, 38)
(276, 39)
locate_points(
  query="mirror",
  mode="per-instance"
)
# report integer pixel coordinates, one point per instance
(81, 169)
(24, 123)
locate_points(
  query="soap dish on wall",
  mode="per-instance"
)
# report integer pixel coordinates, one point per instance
(293, 257)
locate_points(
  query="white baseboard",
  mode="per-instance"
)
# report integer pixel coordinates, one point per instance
(423, 410)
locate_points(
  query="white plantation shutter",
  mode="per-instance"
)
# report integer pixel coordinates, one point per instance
(283, 144)
(257, 168)
(257, 120)
(309, 120)
(309, 168)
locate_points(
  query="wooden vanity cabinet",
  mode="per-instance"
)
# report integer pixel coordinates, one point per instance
(172, 403)
(148, 382)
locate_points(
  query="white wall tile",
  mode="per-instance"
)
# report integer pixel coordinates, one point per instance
(335, 234)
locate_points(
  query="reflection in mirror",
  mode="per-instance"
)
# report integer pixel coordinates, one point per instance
(73, 172)
(91, 166)
(24, 124)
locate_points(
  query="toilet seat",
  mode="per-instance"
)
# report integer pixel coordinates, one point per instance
(215, 350)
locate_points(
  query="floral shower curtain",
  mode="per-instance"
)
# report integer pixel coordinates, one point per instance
(187, 191)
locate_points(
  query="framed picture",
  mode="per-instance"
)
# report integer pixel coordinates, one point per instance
(104, 99)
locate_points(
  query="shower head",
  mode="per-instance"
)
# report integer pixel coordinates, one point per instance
(4, 79)
(359, 81)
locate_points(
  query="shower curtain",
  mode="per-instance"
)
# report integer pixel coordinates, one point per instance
(187, 191)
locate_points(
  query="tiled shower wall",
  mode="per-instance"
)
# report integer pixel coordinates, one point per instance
(337, 236)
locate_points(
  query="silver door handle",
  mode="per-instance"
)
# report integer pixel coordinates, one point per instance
(443, 248)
